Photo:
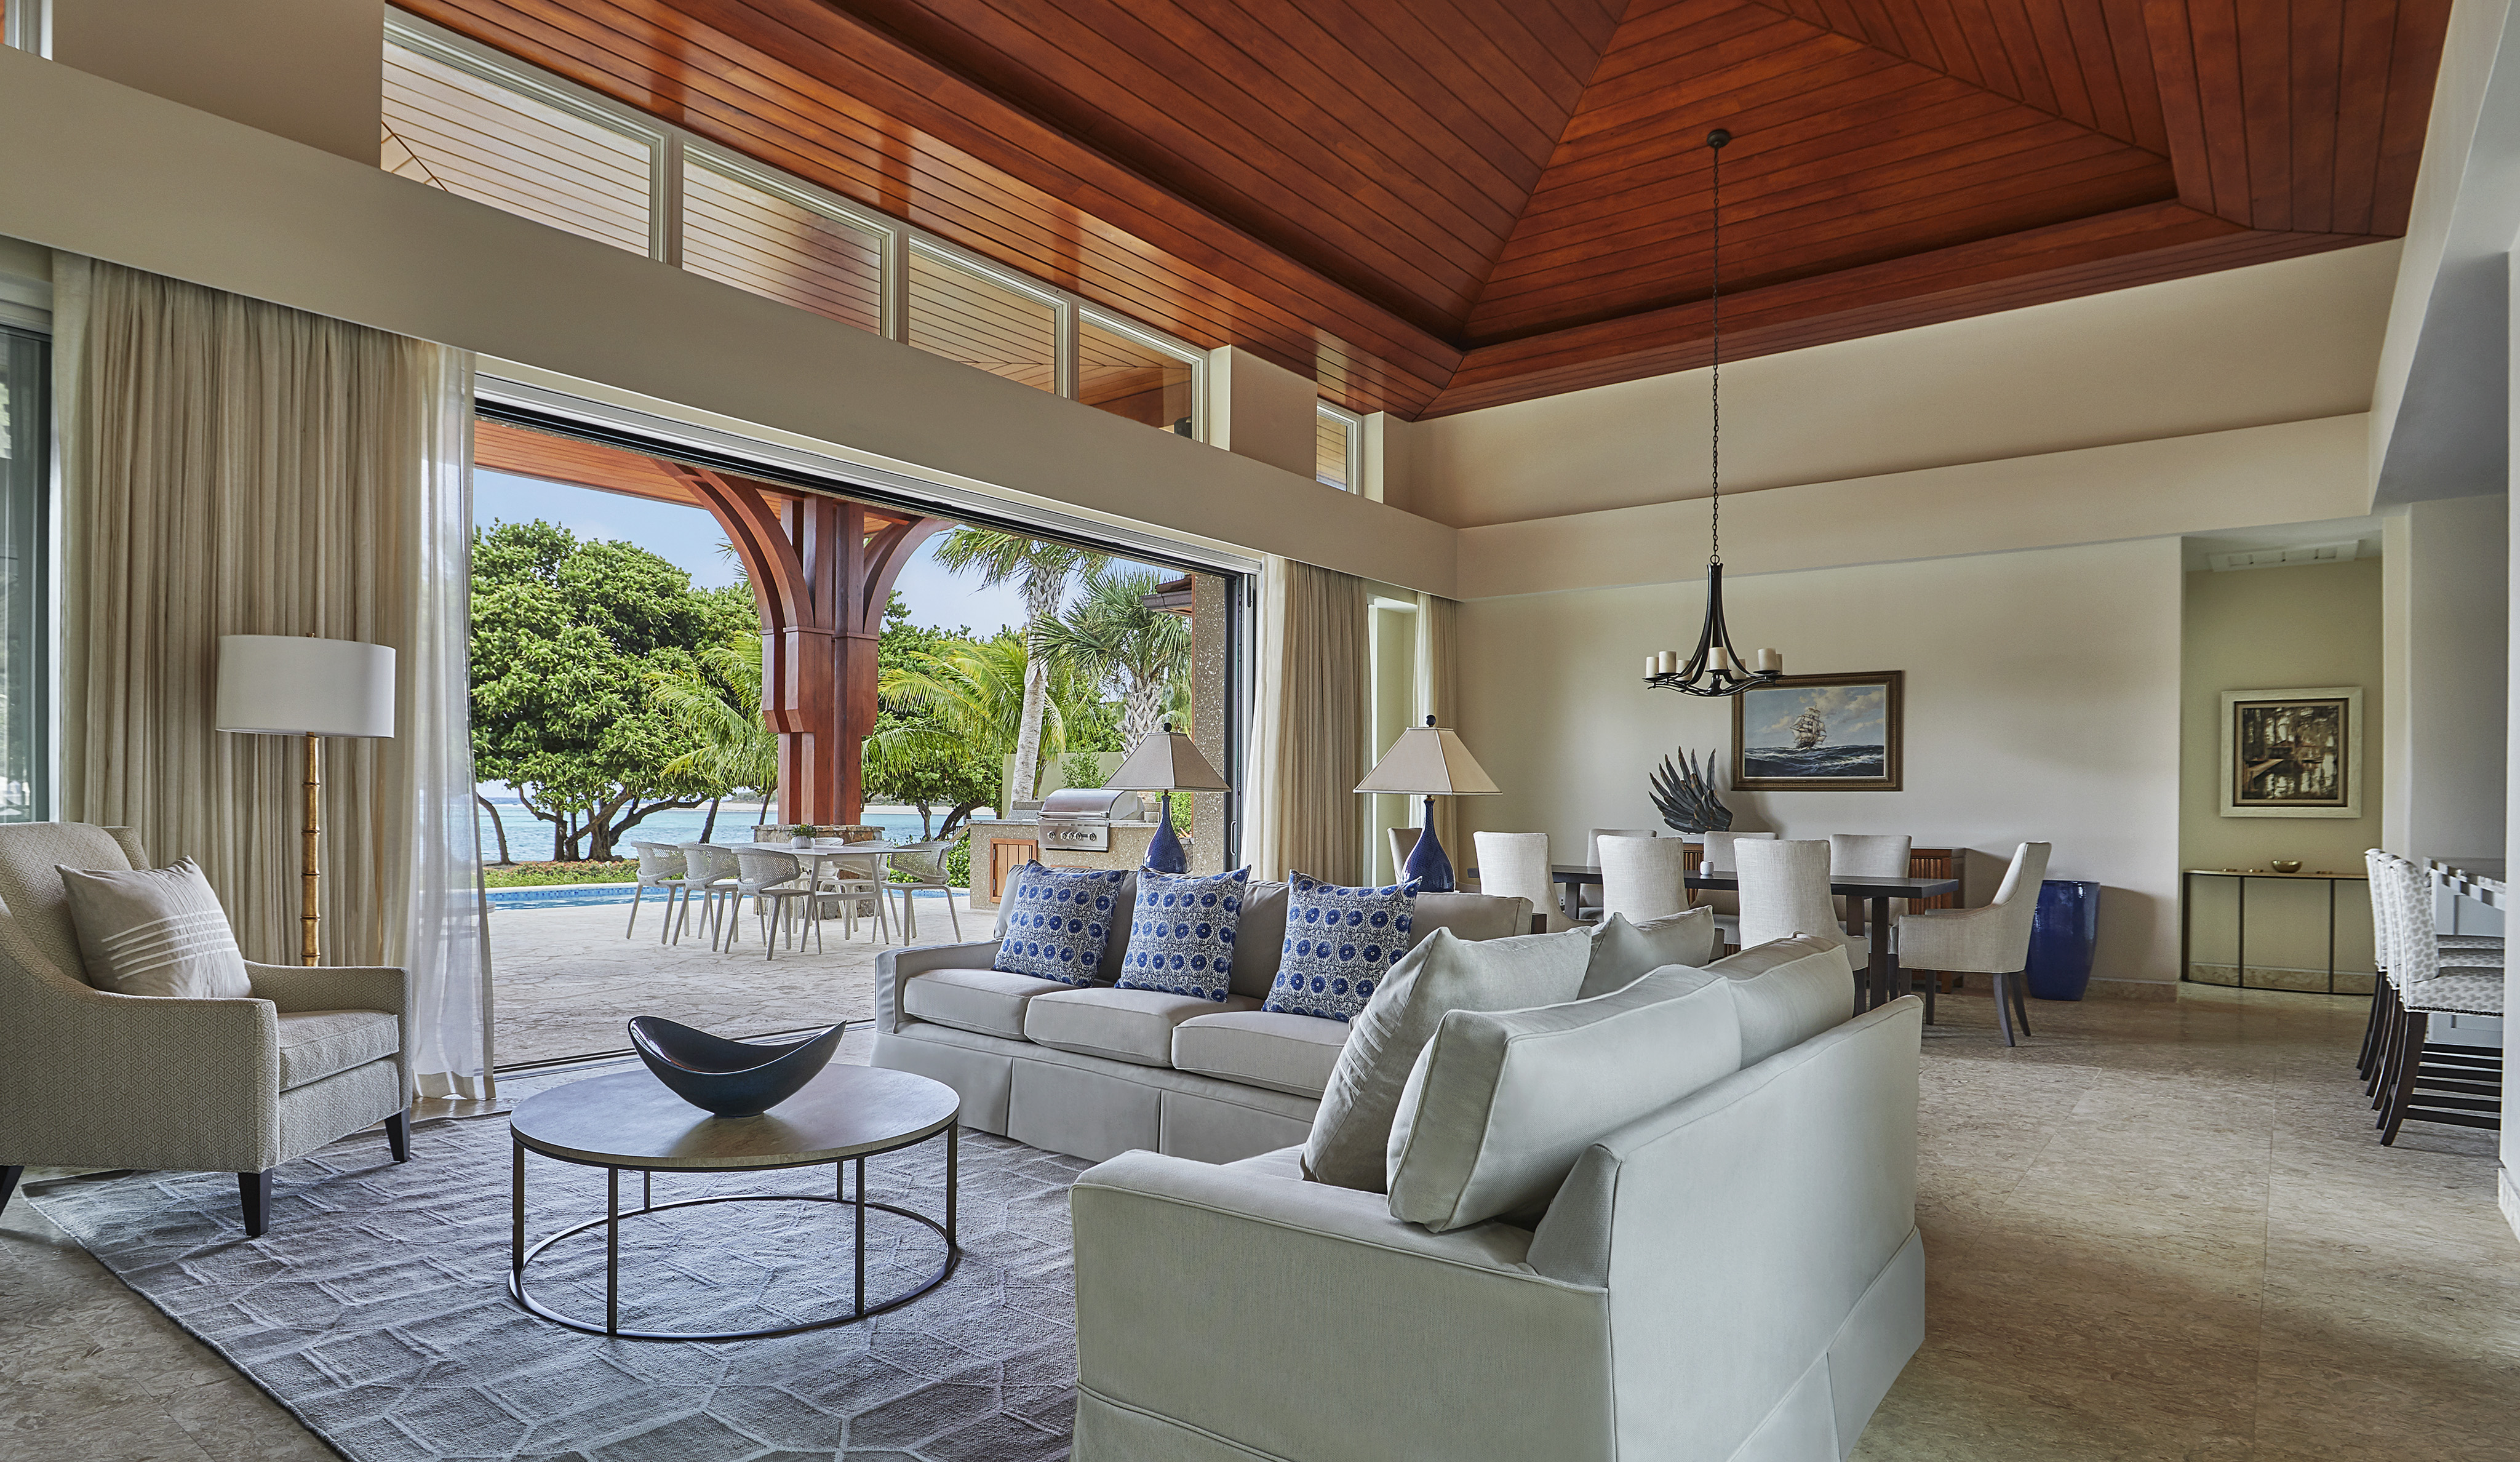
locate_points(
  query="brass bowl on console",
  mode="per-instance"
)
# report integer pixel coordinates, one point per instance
(2284, 865)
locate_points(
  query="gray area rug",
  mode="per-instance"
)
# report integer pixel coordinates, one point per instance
(376, 1310)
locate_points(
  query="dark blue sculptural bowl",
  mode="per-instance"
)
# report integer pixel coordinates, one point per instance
(729, 1077)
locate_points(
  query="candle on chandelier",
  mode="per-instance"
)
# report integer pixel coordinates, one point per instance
(1718, 661)
(1654, 663)
(1771, 663)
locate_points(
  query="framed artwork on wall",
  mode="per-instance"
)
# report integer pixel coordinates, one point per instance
(2293, 753)
(1819, 733)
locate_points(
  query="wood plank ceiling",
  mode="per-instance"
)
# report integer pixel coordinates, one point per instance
(1436, 205)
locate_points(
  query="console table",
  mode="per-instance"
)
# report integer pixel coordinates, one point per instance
(2242, 876)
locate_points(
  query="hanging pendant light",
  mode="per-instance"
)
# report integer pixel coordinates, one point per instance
(1714, 667)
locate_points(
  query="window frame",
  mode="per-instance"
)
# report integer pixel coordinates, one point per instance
(28, 27)
(1355, 428)
(675, 150)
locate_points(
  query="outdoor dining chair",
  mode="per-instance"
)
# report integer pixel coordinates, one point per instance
(661, 866)
(709, 873)
(771, 880)
(925, 865)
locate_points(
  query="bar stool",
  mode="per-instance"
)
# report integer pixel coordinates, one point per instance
(2420, 1081)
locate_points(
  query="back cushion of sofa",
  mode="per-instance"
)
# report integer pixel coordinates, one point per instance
(1470, 916)
(1787, 991)
(1259, 941)
(1109, 970)
(1502, 1102)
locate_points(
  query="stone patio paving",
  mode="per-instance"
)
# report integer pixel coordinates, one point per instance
(567, 982)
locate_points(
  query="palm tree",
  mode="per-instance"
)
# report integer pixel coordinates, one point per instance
(1110, 637)
(1041, 570)
(717, 703)
(975, 693)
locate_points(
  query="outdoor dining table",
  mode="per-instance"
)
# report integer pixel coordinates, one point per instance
(867, 857)
(1879, 978)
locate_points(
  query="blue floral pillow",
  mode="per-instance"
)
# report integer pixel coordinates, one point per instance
(1181, 935)
(1057, 920)
(1339, 945)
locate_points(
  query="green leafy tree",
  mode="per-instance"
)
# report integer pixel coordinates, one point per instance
(715, 702)
(967, 696)
(1041, 570)
(913, 756)
(567, 636)
(1111, 638)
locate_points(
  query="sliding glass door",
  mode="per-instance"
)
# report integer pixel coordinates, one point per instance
(26, 661)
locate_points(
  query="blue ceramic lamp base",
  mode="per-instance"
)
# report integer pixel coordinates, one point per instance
(1164, 850)
(1427, 863)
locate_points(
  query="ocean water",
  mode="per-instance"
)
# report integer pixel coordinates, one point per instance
(1819, 761)
(529, 839)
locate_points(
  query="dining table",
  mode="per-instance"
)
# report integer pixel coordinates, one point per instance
(1867, 904)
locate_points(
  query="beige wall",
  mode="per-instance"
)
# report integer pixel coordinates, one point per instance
(311, 71)
(2042, 703)
(2276, 342)
(2444, 608)
(2270, 629)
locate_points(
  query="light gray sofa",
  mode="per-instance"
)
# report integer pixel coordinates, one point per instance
(1736, 1277)
(1095, 1070)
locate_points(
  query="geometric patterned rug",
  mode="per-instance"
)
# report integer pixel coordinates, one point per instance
(376, 1306)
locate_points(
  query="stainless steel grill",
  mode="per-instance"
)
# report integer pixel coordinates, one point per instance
(1079, 819)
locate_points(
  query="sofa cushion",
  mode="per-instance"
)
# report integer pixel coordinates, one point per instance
(1181, 932)
(1503, 1103)
(319, 1044)
(1259, 941)
(1291, 1053)
(989, 1001)
(1472, 916)
(155, 932)
(1787, 991)
(1132, 1025)
(1352, 1133)
(1340, 942)
(1624, 952)
(1058, 921)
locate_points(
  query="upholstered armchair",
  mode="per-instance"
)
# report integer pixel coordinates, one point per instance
(96, 1079)
(1993, 940)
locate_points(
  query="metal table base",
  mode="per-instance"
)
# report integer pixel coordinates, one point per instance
(521, 1257)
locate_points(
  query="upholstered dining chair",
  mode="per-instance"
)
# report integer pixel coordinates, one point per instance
(1588, 899)
(1784, 891)
(1642, 878)
(1515, 865)
(1870, 855)
(1726, 904)
(1993, 940)
(97, 1079)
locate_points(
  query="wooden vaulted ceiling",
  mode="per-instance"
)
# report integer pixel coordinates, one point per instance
(1435, 205)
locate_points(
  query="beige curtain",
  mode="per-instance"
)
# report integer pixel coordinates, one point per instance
(1438, 696)
(232, 467)
(1309, 726)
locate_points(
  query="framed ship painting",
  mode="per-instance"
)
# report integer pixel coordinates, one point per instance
(1819, 733)
(2293, 753)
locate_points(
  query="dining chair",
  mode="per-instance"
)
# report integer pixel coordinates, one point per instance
(2420, 1079)
(1784, 891)
(1588, 897)
(709, 873)
(2383, 870)
(772, 879)
(853, 882)
(1993, 940)
(1515, 865)
(661, 866)
(1642, 878)
(1726, 904)
(925, 865)
(1868, 855)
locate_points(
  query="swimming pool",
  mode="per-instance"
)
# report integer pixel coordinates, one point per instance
(562, 895)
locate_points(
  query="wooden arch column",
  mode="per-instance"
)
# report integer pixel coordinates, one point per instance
(822, 572)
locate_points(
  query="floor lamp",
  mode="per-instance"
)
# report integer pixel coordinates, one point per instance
(1428, 761)
(286, 685)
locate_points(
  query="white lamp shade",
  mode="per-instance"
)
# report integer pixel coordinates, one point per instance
(290, 685)
(1165, 761)
(1428, 761)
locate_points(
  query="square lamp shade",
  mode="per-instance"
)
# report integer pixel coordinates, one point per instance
(1166, 761)
(291, 685)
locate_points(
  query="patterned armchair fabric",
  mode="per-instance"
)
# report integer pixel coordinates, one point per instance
(95, 1079)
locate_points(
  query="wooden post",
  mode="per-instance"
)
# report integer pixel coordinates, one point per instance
(306, 915)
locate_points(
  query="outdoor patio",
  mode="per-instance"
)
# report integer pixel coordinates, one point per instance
(567, 982)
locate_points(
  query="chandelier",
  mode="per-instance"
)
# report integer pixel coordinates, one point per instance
(1714, 667)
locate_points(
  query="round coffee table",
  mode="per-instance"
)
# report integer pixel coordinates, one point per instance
(631, 1123)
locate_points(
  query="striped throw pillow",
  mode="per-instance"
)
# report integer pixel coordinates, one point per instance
(155, 932)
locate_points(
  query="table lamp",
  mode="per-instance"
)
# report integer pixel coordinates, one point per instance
(1166, 761)
(290, 685)
(1428, 761)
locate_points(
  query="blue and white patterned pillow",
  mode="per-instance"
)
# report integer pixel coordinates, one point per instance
(1057, 920)
(1339, 945)
(1181, 935)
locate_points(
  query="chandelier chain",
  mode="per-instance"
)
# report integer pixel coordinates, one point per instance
(1715, 313)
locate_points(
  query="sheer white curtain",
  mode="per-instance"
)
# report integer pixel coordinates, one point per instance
(1309, 725)
(232, 467)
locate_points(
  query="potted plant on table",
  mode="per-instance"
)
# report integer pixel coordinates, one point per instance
(804, 833)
